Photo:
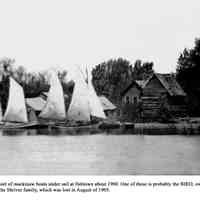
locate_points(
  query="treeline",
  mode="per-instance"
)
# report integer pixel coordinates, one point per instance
(33, 83)
(188, 75)
(110, 78)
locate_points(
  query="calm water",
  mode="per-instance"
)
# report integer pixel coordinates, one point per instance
(27, 153)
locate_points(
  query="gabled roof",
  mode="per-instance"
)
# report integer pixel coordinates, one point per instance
(107, 105)
(169, 83)
(139, 84)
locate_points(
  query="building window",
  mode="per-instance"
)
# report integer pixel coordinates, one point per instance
(127, 99)
(135, 101)
(119, 112)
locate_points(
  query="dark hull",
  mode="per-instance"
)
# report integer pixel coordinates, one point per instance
(29, 125)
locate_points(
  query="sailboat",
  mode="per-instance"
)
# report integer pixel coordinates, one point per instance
(85, 103)
(16, 113)
(54, 110)
(79, 109)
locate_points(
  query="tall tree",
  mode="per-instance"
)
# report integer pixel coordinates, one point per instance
(188, 73)
(6, 68)
(142, 70)
(112, 77)
(109, 78)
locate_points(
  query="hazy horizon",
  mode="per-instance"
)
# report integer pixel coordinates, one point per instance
(65, 33)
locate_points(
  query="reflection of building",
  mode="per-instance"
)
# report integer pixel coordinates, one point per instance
(161, 92)
(109, 108)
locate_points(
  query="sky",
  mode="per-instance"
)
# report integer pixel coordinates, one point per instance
(42, 34)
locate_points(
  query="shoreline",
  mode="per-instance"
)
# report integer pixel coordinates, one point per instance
(156, 128)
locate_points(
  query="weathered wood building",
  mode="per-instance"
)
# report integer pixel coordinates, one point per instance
(133, 93)
(131, 102)
(160, 94)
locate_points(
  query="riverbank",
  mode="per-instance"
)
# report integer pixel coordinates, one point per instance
(154, 128)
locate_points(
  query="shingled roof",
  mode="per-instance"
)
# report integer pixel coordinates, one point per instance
(167, 80)
(141, 83)
(169, 83)
(138, 83)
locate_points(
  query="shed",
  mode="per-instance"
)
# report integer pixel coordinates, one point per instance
(108, 107)
(132, 94)
(168, 82)
(160, 93)
(36, 103)
(163, 91)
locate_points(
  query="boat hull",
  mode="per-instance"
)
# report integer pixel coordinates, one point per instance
(109, 125)
(76, 130)
(29, 125)
(85, 129)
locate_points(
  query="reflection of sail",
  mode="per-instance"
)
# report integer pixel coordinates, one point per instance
(55, 106)
(96, 108)
(16, 108)
(79, 106)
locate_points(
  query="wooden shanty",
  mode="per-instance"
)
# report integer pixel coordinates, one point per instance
(133, 93)
(161, 93)
(131, 101)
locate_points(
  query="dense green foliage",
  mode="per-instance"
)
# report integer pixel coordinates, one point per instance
(188, 75)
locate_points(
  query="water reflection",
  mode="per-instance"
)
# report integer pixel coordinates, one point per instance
(14, 132)
(59, 152)
(54, 132)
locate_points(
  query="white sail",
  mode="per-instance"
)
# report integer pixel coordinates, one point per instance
(55, 105)
(85, 103)
(1, 117)
(16, 108)
(96, 108)
(79, 107)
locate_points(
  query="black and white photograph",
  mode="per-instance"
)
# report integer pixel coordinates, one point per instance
(106, 87)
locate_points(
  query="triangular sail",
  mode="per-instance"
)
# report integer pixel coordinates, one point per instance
(55, 105)
(96, 108)
(1, 117)
(79, 107)
(16, 108)
(85, 102)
